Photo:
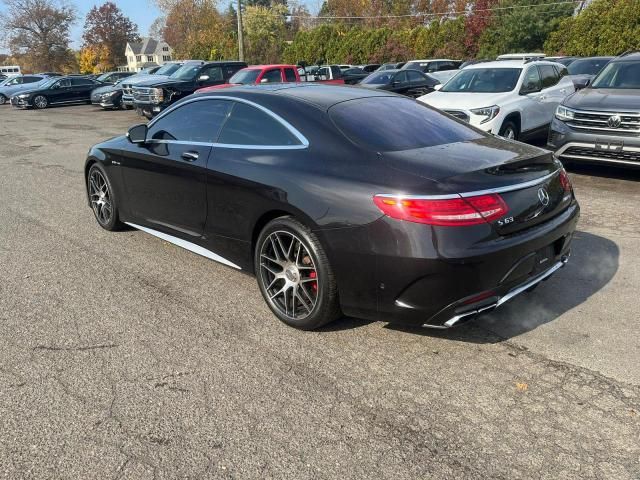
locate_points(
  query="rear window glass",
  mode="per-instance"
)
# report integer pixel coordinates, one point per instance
(390, 123)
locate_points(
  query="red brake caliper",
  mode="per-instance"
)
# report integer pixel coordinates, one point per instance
(314, 285)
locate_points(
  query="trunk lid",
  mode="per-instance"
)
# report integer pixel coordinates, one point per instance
(527, 178)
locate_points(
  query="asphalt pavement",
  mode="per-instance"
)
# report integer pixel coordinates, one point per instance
(123, 356)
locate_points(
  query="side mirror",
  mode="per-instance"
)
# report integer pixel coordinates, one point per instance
(138, 133)
(264, 80)
(581, 83)
(526, 90)
(203, 78)
(437, 87)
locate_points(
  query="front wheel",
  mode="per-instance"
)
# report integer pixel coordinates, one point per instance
(40, 102)
(509, 130)
(3, 99)
(102, 198)
(294, 275)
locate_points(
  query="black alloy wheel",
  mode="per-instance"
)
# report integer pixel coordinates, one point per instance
(294, 275)
(102, 199)
(40, 102)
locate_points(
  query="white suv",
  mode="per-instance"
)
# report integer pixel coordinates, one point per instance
(512, 98)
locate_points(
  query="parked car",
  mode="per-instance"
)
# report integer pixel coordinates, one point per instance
(521, 56)
(354, 75)
(370, 67)
(429, 222)
(111, 78)
(510, 98)
(143, 75)
(323, 74)
(153, 96)
(56, 91)
(388, 66)
(16, 84)
(566, 61)
(432, 65)
(411, 83)
(109, 97)
(257, 74)
(583, 70)
(601, 123)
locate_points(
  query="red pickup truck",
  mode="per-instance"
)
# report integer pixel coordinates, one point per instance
(259, 74)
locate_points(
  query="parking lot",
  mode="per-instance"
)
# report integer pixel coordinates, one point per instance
(122, 356)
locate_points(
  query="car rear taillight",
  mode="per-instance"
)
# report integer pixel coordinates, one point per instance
(444, 212)
(564, 181)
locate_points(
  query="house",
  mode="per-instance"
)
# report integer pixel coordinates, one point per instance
(147, 53)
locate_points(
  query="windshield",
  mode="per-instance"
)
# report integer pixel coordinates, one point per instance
(379, 78)
(245, 77)
(168, 69)
(103, 77)
(588, 66)
(186, 72)
(422, 66)
(619, 75)
(484, 80)
(47, 83)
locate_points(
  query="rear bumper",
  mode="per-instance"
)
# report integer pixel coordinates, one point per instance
(419, 275)
(584, 147)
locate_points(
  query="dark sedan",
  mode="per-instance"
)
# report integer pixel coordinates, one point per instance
(342, 201)
(109, 97)
(412, 83)
(57, 91)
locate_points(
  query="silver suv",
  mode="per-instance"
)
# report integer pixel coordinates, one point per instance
(601, 123)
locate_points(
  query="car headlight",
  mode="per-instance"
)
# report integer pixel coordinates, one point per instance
(488, 112)
(564, 114)
(157, 94)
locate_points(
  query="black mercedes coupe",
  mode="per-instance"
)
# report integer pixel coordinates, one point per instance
(342, 200)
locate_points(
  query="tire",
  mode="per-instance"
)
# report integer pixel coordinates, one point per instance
(295, 276)
(509, 130)
(40, 102)
(3, 99)
(102, 198)
(128, 107)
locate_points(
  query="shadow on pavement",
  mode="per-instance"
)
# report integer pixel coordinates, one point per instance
(593, 263)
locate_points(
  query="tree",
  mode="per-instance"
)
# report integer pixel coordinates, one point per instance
(94, 59)
(476, 23)
(605, 27)
(37, 32)
(157, 27)
(265, 33)
(106, 26)
(522, 28)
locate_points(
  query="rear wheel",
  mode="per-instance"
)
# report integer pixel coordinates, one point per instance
(101, 196)
(40, 102)
(294, 275)
(509, 130)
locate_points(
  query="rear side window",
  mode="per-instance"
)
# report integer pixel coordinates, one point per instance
(390, 124)
(194, 122)
(272, 76)
(250, 126)
(548, 76)
(290, 75)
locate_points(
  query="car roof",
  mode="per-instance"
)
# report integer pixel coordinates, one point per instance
(318, 95)
(274, 65)
(627, 56)
(432, 60)
(508, 64)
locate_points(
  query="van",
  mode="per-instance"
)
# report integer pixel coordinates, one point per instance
(10, 70)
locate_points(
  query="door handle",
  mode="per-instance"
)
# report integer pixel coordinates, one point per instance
(190, 156)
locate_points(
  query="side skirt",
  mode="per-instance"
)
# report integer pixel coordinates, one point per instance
(192, 247)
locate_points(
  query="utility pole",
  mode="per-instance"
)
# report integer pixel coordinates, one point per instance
(240, 35)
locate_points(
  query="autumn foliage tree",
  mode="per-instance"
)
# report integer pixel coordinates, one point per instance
(37, 33)
(107, 30)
